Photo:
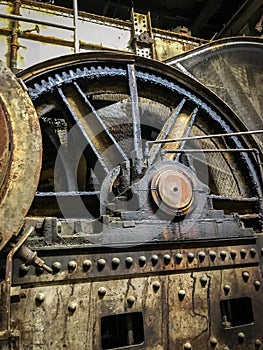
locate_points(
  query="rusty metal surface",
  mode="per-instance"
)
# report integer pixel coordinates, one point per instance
(133, 277)
(20, 154)
(178, 308)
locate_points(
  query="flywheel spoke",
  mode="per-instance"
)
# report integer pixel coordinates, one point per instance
(135, 117)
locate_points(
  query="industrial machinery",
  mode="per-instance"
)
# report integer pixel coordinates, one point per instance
(131, 201)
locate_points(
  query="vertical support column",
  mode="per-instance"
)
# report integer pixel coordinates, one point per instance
(143, 41)
(76, 37)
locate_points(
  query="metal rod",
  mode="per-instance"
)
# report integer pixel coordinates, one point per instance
(75, 22)
(200, 138)
(135, 116)
(208, 136)
(209, 150)
(36, 21)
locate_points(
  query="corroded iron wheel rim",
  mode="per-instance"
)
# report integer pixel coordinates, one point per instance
(20, 154)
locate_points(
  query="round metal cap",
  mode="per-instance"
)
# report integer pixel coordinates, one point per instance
(172, 189)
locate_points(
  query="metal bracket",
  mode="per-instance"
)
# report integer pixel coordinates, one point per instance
(143, 41)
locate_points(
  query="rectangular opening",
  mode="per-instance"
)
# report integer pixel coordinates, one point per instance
(236, 312)
(121, 330)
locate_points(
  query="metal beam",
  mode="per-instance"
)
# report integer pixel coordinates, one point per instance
(240, 18)
(208, 11)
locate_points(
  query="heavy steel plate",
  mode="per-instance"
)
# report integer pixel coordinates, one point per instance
(20, 154)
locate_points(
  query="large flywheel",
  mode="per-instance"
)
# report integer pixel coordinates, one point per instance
(20, 154)
(99, 115)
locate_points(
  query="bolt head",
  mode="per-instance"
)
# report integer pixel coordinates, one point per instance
(154, 259)
(190, 257)
(253, 252)
(166, 259)
(86, 265)
(156, 285)
(258, 343)
(245, 276)
(115, 262)
(223, 255)
(129, 261)
(212, 255)
(187, 346)
(243, 253)
(227, 288)
(178, 258)
(181, 294)
(102, 291)
(213, 341)
(56, 267)
(241, 337)
(72, 307)
(40, 297)
(72, 265)
(142, 260)
(101, 264)
(201, 256)
(130, 300)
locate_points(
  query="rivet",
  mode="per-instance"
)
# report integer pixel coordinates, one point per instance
(115, 262)
(56, 266)
(258, 343)
(72, 265)
(101, 264)
(102, 291)
(227, 288)
(253, 252)
(261, 251)
(233, 254)
(86, 265)
(190, 257)
(257, 285)
(181, 294)
(154, 259)
(178, 258)
(213, 341)
(245, 276)
(166, 259)
(156, 285)
(40, 297)
(129, 261)
(203, 280)
(187, 346)
(243, 253)
(23, 270)
(212, 255)
(241, 337)
(201, 256)
(142, 260)
(223, 255)
(130, 300)
(72, 307)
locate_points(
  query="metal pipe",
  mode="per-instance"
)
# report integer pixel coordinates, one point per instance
(36, 21)
(252, 132)
(208, 136)
(14, 44)
(76, 36)
(210, 150)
